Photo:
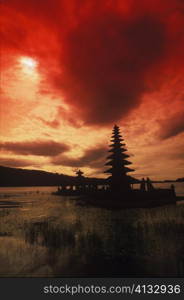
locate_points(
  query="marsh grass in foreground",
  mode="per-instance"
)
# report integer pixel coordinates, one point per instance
(51, 237)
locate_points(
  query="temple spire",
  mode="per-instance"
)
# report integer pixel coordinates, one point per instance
(119, 180)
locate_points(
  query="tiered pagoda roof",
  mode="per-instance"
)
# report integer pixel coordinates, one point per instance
(118, 161)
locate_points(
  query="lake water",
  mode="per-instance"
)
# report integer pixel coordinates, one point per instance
(46, 235)
(179, 188)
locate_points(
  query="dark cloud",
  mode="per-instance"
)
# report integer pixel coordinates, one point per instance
(94, 158)
(16, 163)
(178, 155)
(40, 148)
(106, 62)
(101, 57)
(172, 126)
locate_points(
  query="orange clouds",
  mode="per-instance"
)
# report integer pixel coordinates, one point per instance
(172, 126)
(97, 63)
(94, 158)
(40, 148)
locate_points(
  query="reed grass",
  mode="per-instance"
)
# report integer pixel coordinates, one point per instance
(48, 237)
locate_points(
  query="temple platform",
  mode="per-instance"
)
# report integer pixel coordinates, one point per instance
(130, 199)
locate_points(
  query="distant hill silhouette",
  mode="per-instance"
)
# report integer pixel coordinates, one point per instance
(23, 177)
(180, 179)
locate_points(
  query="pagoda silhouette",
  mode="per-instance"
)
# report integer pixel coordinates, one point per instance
(117, 191)
(119, 180)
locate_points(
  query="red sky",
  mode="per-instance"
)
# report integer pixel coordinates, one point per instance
(71, 69)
